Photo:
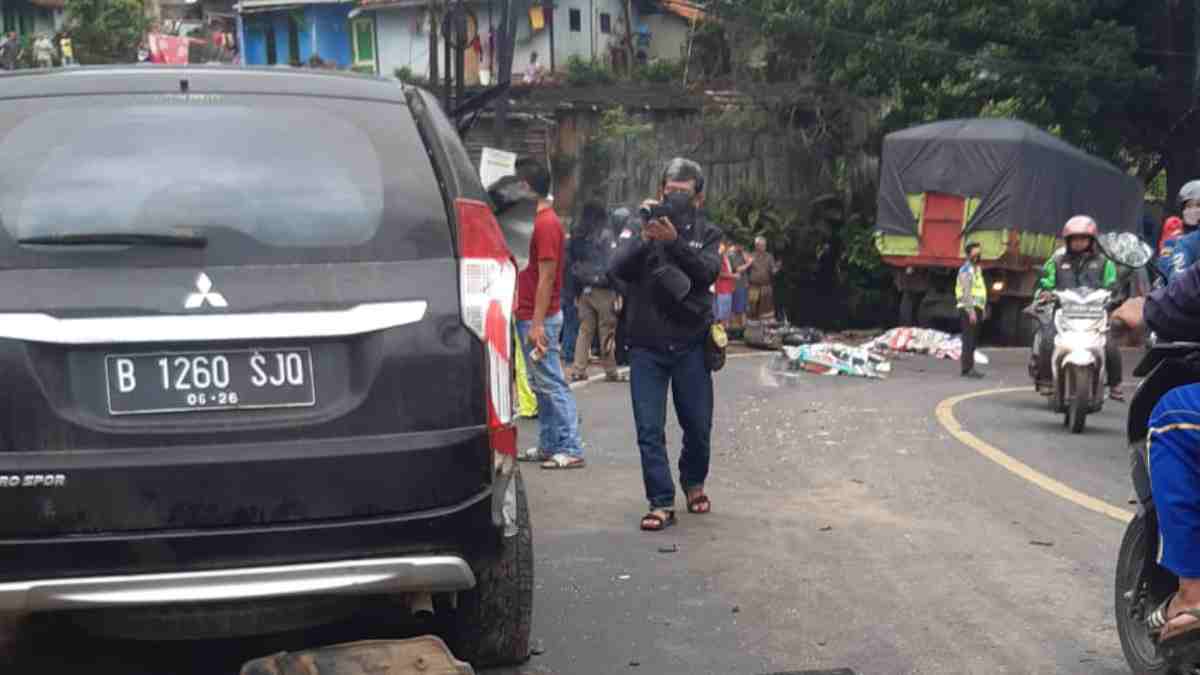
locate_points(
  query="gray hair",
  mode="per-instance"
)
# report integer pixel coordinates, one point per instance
(760, 240)
(681, 170)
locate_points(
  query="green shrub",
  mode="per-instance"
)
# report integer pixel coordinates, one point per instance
(660, 72)
(583, 73)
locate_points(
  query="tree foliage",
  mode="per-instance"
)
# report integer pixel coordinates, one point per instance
(1115, 77)
(106, 31)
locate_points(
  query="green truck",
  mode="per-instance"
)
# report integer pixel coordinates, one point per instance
(1002, 183)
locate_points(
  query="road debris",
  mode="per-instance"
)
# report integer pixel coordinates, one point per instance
(538, 648)
(737, 609)
(922, 341)
(827, 528)
(1037, 542)
(830, 358)
(671, 548)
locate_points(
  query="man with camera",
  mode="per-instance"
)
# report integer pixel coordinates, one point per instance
(667, 270)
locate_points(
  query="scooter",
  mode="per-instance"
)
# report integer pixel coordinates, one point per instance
(1077, 363)
(1142, 584)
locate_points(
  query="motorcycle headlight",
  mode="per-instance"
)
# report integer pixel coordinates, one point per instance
(1077, 339)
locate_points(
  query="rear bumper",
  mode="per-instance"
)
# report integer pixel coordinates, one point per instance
(465, 530)
(350, 577)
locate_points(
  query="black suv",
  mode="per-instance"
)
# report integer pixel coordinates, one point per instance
(254, 355)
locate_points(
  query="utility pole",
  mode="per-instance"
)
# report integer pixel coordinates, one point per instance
(628, 7)
(447, 60)
(433, 42)
(460, 51)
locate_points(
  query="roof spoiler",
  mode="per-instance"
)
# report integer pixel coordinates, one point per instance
(467, 113)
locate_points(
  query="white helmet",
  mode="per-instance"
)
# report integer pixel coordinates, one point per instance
(1189, 192)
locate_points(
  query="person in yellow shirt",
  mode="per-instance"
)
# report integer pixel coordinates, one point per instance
(526, 400)
(971, 292)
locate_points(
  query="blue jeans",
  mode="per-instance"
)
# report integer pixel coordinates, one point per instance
(650, 373)
(570, 330)
(1174, 462)
(558, 421)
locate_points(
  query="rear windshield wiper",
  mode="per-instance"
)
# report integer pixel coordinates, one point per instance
(118, 239)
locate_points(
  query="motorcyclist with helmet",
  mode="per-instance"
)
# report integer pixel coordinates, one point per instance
(1179, 253)
(1080, 264)
(1173, 455)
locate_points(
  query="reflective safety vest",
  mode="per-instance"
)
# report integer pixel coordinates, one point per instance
(978, 287)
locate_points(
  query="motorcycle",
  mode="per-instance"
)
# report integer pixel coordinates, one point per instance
(1142, 585)
(1077, 363)
(1081, 320)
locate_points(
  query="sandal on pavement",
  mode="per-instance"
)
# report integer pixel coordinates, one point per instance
(658, 520)
(1187, 638)
(616, 377)
(579, 377)
(1116, 394)
(699, 504)
(564, 461)
(532, 455)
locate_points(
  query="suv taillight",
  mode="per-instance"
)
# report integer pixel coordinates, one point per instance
(489, 280)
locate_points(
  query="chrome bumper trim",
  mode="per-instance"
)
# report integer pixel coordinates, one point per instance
(350, 577)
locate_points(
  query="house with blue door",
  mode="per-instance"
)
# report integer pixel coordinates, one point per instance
(286, 32)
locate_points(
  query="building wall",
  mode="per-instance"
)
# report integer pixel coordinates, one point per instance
(401, 45)
(332, 40)
(325, 32)
(27, 19)
(404, 39)
(668, 36)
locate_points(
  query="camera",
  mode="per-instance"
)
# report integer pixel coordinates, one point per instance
(656, 211)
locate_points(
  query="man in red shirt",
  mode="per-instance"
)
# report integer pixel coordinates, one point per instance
(725, 286)
(539, 324)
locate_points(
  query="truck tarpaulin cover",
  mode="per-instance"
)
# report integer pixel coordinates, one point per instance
(1025, 178)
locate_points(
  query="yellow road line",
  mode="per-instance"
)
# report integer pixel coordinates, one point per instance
(945, 416)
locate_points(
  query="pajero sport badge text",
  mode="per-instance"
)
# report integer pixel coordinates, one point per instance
(31, 480)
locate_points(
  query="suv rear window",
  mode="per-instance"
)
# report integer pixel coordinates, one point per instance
(266, 179)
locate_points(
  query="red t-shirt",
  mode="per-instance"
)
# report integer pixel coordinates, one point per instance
(546, 244)
(726, 286)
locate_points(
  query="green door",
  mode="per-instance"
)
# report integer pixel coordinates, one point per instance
(364, 42)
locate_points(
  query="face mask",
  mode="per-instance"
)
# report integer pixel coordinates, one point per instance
(681, 205)
(1191, 215)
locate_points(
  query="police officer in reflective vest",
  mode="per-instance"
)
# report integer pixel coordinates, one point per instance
(971, 292)
(1079, 265)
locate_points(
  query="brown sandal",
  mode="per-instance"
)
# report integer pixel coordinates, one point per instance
(653, 522)
(699, 504)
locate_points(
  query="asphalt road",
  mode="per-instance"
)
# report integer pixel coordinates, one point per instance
(849, 529)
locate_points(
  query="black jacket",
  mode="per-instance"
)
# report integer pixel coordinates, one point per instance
(1173, 311)
(590, 256)
(648, 323)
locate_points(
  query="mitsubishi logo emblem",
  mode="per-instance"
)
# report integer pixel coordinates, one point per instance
(204, 294)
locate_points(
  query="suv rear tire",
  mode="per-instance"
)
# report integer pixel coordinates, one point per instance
(493, 622)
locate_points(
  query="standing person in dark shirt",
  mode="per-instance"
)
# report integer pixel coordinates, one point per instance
(667, 272)
(596, 302)
(539, 323)
(763, 269)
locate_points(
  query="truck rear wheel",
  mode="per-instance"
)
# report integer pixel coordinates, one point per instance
(1013, 327)
(910, 303)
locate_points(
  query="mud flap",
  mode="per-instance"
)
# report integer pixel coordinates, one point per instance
(425, 655)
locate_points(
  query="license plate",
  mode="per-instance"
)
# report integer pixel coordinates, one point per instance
(245, 379)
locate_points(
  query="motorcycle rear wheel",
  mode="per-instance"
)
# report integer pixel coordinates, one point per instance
(1140, 652)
